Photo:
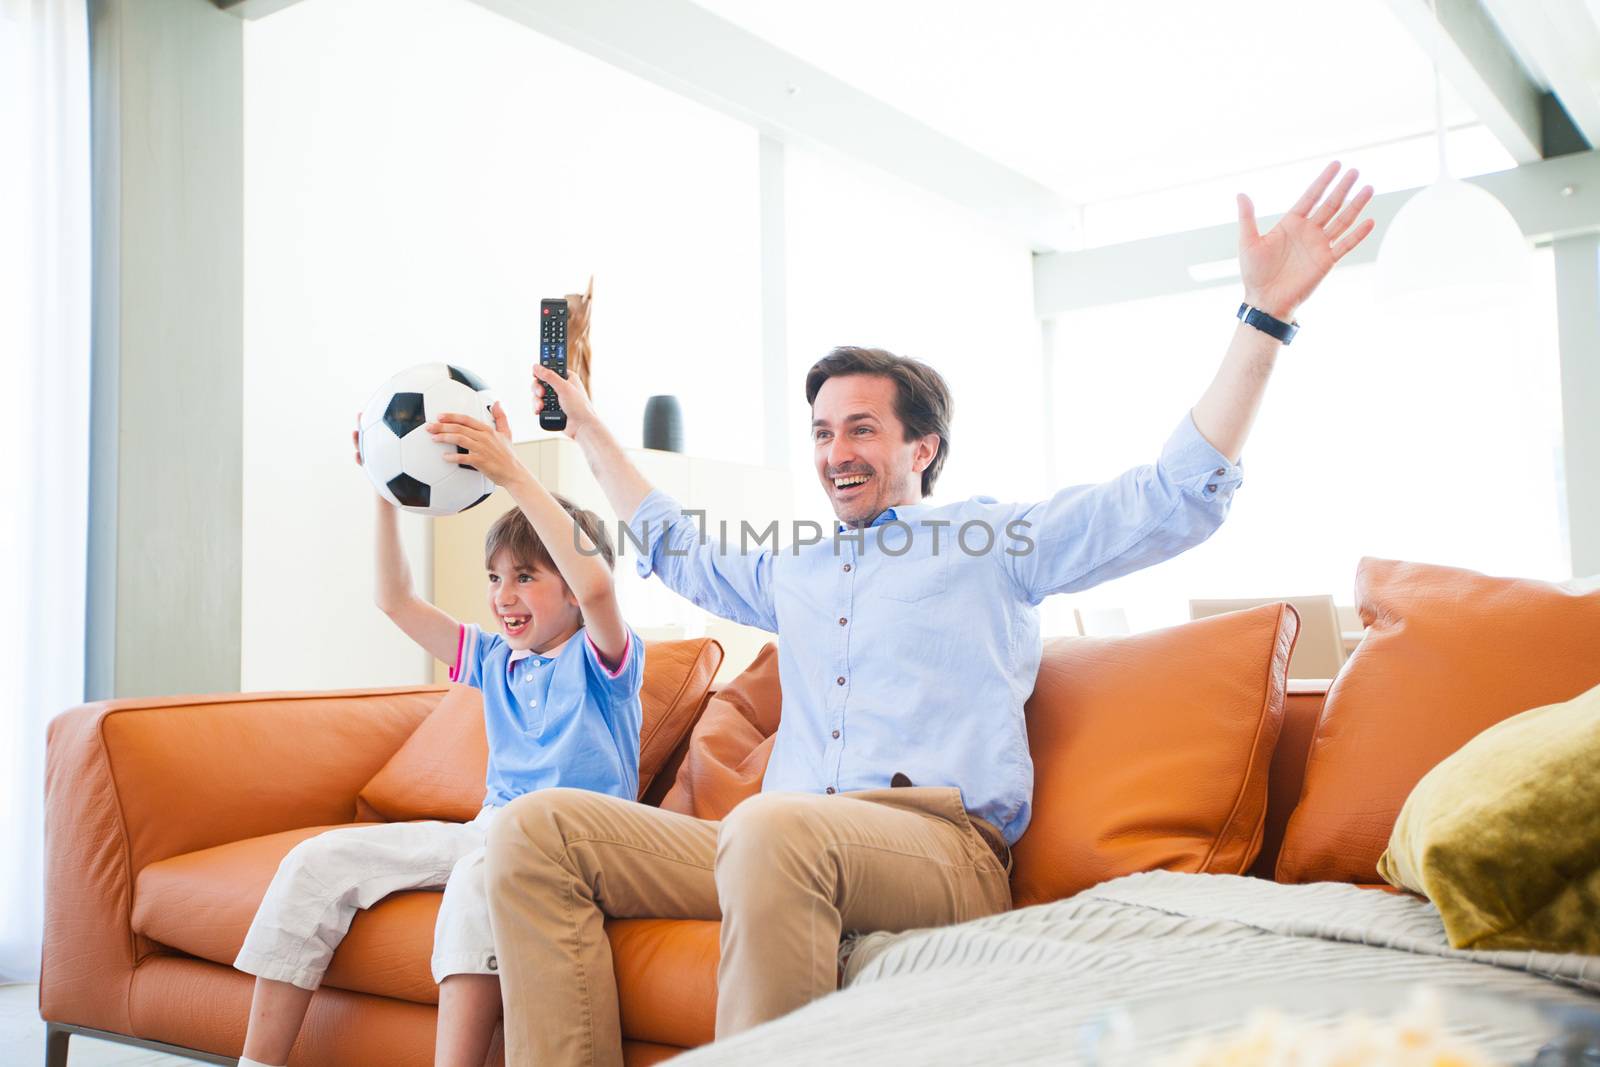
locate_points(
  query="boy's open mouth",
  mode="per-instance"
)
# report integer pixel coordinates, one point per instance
(515, 624)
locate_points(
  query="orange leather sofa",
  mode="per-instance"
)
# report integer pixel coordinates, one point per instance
(1183, 749)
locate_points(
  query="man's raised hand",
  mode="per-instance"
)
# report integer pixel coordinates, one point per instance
(1283, 267)
(570, 392)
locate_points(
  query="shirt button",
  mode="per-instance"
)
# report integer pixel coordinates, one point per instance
(836, 734)
(847, 568)
(843, 620)
(830, 790)
(1221, 471)
(494, 964)
(840, 679)
(1212, 488)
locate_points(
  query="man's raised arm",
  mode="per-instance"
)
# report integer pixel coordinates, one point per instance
(619, 479)
(1088, 534)
(734, 585)
(1280, 270)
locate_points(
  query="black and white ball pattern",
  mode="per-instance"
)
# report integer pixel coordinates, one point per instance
(406, 466)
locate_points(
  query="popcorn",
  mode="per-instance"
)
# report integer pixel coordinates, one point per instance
(1413, 1037)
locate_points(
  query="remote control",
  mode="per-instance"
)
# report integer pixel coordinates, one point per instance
(553, 354)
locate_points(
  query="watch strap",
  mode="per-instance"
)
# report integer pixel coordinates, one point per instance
(1267, 324)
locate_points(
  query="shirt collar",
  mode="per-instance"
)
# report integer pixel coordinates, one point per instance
(898, 513)
(541, 658)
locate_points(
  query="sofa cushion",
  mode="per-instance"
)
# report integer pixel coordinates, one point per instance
(1152, 751)
(439, 772)
(666, 978)
(731, 743)
(1449, 653)
(1504, 835)
(201, 903)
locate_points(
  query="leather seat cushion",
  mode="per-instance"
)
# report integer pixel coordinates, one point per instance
(201, 903)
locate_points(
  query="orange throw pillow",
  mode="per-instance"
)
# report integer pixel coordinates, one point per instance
(1449, 654)
(439, 772)
(1152, 751)
(731, 743)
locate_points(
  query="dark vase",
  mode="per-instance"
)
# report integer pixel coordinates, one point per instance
(663, 424)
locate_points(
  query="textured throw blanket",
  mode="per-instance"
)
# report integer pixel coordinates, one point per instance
(1042, 984)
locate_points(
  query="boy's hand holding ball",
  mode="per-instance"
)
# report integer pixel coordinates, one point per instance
(488, 448)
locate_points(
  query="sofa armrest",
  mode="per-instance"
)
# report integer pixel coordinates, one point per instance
(130, 782)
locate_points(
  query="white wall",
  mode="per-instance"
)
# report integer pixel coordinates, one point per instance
(876, 262)
(418, 174)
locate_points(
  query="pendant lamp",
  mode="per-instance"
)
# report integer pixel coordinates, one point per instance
(1452, 247)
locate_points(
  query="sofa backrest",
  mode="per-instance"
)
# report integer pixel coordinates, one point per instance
(439, 772)
(1301, 709)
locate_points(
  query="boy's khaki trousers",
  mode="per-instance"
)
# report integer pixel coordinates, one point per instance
(785, 872)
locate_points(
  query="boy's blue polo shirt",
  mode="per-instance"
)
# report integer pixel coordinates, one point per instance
(561, 719)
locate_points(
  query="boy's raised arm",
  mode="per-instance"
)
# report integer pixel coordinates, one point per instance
(575, 555)
(425, 624)
(735, 586)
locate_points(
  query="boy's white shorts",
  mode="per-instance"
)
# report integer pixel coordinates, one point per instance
(324, 879)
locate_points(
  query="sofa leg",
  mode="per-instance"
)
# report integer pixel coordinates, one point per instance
(55, 1045)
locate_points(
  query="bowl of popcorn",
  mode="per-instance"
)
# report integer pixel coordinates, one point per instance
(1367, 1026)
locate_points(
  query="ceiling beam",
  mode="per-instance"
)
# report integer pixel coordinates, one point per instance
(1550, 199)
(253, 9)
(1561, 40)
(1481, 67)
(683, 47)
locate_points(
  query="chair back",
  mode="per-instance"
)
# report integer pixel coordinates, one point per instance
(1319, 652)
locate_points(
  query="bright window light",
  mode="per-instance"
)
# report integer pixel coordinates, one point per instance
(1376, 438)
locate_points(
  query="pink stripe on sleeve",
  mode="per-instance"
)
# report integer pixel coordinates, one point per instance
(627, 647)
(461, 644)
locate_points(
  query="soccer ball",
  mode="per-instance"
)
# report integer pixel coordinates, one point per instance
(406, 466)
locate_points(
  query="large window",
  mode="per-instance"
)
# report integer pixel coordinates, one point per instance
(1437, 441)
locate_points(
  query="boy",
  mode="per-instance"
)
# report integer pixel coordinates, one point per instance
(561, 707)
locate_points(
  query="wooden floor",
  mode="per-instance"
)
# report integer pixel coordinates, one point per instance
(22, 1039)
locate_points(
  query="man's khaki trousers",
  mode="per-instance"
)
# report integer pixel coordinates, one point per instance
(785, 872)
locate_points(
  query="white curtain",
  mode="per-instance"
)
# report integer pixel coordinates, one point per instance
(44, 429)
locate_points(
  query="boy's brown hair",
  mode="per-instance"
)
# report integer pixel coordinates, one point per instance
(515, 534)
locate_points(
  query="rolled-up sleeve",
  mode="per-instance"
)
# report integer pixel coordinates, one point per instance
(735, 585)
(1088, 534)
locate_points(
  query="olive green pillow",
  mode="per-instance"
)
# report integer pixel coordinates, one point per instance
(1504, 835)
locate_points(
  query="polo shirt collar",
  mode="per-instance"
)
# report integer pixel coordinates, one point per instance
(542, 657)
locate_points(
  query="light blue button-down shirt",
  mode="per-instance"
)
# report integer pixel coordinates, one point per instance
(562, 719)
(910, 647)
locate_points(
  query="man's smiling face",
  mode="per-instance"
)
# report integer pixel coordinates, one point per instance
(859, 445)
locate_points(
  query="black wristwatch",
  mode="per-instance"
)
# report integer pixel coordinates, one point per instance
(1272, 327)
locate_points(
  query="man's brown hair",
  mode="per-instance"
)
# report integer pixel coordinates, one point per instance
(514, 533)
(922, 399)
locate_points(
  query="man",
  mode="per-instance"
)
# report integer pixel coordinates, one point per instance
(909, 642)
